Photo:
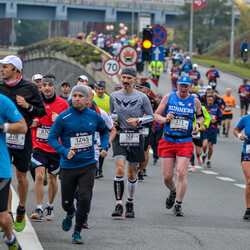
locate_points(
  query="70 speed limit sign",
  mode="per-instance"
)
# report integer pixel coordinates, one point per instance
(111, 66)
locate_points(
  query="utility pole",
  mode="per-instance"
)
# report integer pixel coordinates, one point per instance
(191, 29)
(232, 37)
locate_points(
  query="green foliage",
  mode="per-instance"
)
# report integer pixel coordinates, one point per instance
(30, 31)
(210, 24)
(80, 51)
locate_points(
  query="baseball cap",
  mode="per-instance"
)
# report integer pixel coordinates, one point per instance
(83, 77)
(36, 77)
(118, 86)
(187, 57)
(195, 65)
(212, 66)
(100, 84)
(158, 95)
(14, 60)
(143, 84)
(65, 83)
(209, 87)
(184, 79)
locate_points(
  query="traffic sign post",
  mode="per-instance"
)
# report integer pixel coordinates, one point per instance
(153, 86)
(159, 35)
(128, 55)
(111, 66)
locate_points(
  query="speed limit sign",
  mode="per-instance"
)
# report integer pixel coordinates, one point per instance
(111, 66)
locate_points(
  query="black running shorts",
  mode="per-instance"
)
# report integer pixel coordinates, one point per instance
(4, 193)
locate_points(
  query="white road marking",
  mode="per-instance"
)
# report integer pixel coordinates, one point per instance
(208, 172)
(225, 178)
(27, 238)
(198, 167)
(241, 185)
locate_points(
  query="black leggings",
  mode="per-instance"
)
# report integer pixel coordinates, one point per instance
(4, 193)
(70, 179)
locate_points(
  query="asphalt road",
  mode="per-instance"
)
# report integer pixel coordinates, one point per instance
(213, 206)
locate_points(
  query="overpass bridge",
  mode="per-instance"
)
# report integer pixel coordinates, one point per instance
(161, 11)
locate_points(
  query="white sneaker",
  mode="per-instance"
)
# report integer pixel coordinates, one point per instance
(49, 214)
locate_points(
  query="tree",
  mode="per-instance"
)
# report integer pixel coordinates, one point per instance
(211, 23)
(30, 31)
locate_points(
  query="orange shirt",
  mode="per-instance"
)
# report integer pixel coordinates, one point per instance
(230, 102)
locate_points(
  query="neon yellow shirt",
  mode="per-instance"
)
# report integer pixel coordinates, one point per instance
(103, 102)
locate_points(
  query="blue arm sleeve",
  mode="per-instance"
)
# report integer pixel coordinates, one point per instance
(54, 134)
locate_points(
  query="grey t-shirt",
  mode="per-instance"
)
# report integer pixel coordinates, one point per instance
(131, 105)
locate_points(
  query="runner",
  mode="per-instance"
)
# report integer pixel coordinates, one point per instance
(177, 111)
(244, 94)
(175, 74)
(227, 111)
(43, 156)
(201, 88)
(212, 76)
(65, 88)
(244, 124)
(198, 139)
(147, 129)
(76, 128)
(195, 75)
(157, 132)
(210, 134)
(11, 121)
(36, 79)
(129, 106)
(27, 98)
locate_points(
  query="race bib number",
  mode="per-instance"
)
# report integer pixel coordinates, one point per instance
(213, 84)
(81, 141)
(129, 138)
(145, 131)
(248, 148)
(15, 141)
(175, 75)
(243, 94)
(198, 136)
(212, 117)
(195, 77)
(42, 133)
(228, 108)
(179, 124)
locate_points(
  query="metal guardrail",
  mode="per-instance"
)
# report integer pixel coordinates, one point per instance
(164, 5)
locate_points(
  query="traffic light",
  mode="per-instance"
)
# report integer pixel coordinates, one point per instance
(147, 37)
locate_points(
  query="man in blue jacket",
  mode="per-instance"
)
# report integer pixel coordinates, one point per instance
(76, 128)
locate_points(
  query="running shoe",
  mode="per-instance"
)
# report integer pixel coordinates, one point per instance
(14, 246)
(191, 169)
(170, 200)
(49, 214)
(85, 224)
(226, 134)
(209, 164)
(37, 214)
(118, 211)
(145, 172)
(20, 222)
(155, 162)
(203, 158)
(100, 175)
(177, 211)
(67, 222)
(246, 216)
(224, 131)
(77, 238)
(129, 210)
(140, 176)
(199, 160)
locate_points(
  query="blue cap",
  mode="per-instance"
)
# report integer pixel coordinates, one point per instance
(184, 79)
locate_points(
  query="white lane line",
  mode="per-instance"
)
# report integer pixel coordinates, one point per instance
(27, 238)
(225, 178)
(208, 172)
(241, 185)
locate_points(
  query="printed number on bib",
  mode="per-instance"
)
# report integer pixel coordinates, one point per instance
(129, 138)
(212, 83)
(15, 141)
(198, 136)
(179, 124)
(42, 133)
(81, 141)
(248, 148)
(228, 108)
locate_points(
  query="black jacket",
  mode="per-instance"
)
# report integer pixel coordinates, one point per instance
(30, 93)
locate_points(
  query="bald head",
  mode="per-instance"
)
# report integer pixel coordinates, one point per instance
(228, 91)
